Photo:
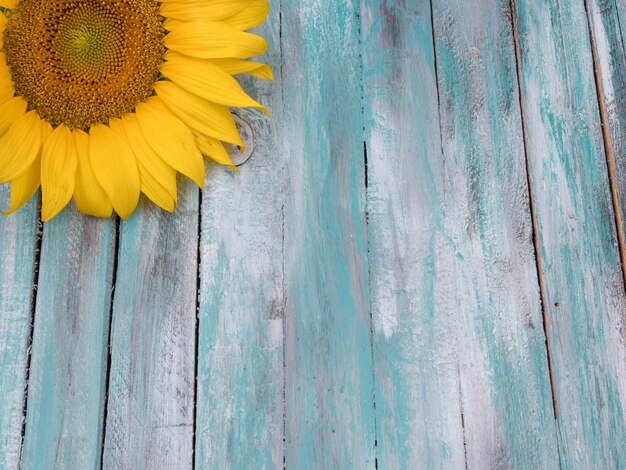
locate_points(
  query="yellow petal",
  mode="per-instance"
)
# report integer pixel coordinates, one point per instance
(24, 186)
(170, 24)
(10, 4)
(215, 150)
(203, 116)
(58, 171)
(115, 167)
(171, 139)
(213, 10)
(12, 110)
(3, 23)
(19, 146)
(237, 66)
(158, 179)
(213, 40)
(250, 17)
(89, 195)
(155, 191)
(206, 80)
(7, 90)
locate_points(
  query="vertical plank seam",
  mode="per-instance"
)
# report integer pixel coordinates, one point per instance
(369, 303)
(458, 370)
(31, 328)
(436, 67)
(107, 379)
(535, 223)
(284, 356)
(283, 243)
(194, 424)
(368, 284)
(608, 148)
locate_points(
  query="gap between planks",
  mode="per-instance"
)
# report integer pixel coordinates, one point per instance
(107, 377)
(608, 147)
(282, 247)
(441, 140)
(194, 418)
(533, 214)
(367, 223)
(33, 307)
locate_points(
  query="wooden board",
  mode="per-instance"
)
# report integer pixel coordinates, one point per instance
(239, 420)
(462, 374)
(149, 416)
(329, 406)
(504, 377)
(18, 237)
(240, 405)
(66, 388)
(584, 290)
(418, 409)
(610, 67)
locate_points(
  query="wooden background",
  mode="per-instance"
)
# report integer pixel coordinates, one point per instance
(420, 266)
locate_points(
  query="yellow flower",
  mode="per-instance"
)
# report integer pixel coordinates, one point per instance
(101, 100)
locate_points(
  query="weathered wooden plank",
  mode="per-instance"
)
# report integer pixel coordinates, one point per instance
(610, 67)
(66, 389)
(504, 374)
(461, 366)
(18, 234)
(610, 34)
(417, 381)
(584, 291)
(606, 19)
(149, 418)
(328, 366)
(240, 344)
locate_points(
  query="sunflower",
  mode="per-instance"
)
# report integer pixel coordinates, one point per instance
(103, 99)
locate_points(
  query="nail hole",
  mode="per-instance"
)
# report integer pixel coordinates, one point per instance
(247, 135)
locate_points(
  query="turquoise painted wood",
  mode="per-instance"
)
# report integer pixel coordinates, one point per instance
(18, 235)
(152, 338)
(500, 341)
(239, 422)
(66, 387)
(418, 408)
(329, 403)
(457, 303)
(418, 267)
(583, 283)
(605, 20)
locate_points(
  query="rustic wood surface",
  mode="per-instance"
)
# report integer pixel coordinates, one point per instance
(419, 266)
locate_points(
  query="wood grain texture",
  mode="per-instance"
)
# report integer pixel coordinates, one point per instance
(149, 420)
(610, 69)
(17, 245)
(607, 19)
(66, 388)
(584, 291)
(418, 405)
(239, 421)
(503, 362)
(461, 365)
(329, 407)
(500, 338)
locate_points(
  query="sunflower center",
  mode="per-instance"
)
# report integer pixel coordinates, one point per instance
(81, 62)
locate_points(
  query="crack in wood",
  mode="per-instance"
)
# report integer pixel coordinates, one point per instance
(535, 225)
(608, 147)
